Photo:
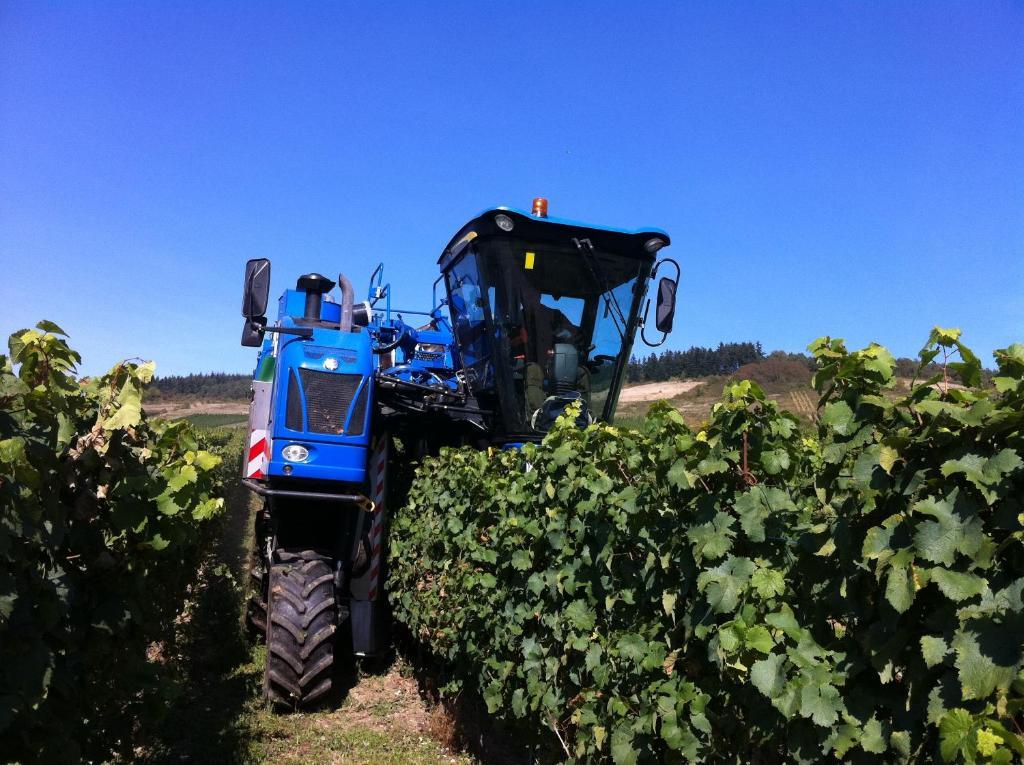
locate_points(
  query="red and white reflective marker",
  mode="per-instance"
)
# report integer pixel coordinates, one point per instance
(259, 447)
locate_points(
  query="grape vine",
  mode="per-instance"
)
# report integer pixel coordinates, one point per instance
(101, 512)
(747, 591)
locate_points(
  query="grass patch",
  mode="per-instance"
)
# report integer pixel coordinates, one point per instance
(299, 740)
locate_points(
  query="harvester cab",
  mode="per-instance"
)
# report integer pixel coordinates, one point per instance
(536, 315)
(544, 313)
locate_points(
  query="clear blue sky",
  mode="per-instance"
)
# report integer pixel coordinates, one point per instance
(854, 169)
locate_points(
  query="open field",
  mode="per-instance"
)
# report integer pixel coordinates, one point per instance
(180, 409)
(173, 410)
(216, 420)
(692, 398)
(657, 390)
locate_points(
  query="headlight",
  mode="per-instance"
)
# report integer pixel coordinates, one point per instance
(295, 453)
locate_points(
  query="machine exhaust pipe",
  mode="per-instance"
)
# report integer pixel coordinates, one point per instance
(313, 302)
(347, 302)
(315, 286)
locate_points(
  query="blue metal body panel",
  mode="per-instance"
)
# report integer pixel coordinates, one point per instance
(293, 303)
(327, 461)
(337, 456)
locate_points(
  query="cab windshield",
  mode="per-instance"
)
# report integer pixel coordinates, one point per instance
(540, 326)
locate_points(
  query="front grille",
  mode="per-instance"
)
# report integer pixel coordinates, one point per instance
(328, 398)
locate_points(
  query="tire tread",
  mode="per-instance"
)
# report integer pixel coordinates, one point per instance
(300, 629)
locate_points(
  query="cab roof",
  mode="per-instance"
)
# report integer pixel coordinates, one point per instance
(526, 226)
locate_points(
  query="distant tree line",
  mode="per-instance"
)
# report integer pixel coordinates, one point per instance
(693, 362)
(219, 386)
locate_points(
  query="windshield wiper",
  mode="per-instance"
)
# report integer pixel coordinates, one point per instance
(586, 247)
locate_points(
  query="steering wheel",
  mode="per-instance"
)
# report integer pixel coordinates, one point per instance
(400, 334)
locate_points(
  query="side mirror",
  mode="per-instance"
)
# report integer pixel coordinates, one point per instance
(664, 307)
(255, 293)
(257, 288)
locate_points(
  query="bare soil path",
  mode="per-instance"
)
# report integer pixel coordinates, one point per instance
(657, 390)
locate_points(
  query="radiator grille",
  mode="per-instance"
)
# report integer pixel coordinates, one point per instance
(328, 399)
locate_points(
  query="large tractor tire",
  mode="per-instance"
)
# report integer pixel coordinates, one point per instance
(302, 619)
